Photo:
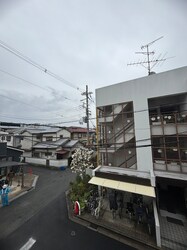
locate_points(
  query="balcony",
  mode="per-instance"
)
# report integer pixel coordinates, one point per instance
(168, 124)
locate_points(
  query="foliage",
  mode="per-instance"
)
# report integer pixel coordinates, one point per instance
(80, 190)
(81, 160)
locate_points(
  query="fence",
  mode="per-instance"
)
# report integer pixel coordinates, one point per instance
(47, 162)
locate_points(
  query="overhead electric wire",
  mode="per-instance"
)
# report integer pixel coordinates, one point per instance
(94, 118)
(12, 99)
(34, 84)
(131, 145)
(31, 118)
(36, 65)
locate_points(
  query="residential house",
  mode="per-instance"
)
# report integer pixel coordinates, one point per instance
(78, 133)
(60, 149)
(68, 150)
(142, 144)
(48, 149)
(4, 137)
(53, 153)
(10, 161)
(32, 136)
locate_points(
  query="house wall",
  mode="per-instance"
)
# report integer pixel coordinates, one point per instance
(64, 133)
(139, 91)
(57, 135)
(51, 163)
(43, 153)
(15, 154)
(11, 141)
(28, 141)
(3, 149)
(47, 135)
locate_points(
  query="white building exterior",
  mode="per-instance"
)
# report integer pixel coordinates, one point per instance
(139, 92)
(142, 138)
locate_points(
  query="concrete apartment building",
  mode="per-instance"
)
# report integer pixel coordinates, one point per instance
(142, 142)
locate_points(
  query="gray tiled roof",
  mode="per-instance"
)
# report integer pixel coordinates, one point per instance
(70, 143)
(51, 144)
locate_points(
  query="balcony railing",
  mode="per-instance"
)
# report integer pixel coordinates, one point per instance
(156, 119)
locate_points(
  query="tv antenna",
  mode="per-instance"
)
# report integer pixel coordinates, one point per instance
(149, 63)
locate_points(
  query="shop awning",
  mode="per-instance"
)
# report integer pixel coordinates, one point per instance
(123, 186)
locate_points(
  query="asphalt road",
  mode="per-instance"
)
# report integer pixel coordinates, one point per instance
(40, 218)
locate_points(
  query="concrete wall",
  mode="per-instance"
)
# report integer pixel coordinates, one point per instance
(139, 91)
(45, 162)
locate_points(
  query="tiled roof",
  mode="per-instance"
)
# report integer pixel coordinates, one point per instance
(42, 130)
(61, 152)
(79, 130)
(70, 143)
(51, 144)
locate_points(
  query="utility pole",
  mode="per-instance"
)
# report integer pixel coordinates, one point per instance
(86, 118)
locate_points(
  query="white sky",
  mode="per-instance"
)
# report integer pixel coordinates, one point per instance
(86, 42)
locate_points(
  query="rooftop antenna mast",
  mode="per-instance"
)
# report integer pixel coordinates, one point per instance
(150, 63)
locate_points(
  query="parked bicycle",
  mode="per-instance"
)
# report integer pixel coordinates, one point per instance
(130, 210)
(150, 220)
(92, 202)
(140, 213)
(98, 208)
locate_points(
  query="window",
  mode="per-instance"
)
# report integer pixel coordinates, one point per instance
(8, 138)
(49, 138)
(36, 154)
(80, 135)
(61, 136)
(48, 153)
(3, 171)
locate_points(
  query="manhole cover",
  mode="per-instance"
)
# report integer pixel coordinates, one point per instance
(72, 233)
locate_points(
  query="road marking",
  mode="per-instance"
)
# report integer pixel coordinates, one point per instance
(29, 244)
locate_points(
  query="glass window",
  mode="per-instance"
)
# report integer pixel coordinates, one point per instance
(172, 154)
(171, 141)
(48, 153)
(36, 154)
(49, 138)
(8, 138)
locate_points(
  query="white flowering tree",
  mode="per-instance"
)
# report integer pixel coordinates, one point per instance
(81, 160)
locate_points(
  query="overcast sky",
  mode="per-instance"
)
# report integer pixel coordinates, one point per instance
(86, 42)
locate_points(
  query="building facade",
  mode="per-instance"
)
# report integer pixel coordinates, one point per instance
(142, 139)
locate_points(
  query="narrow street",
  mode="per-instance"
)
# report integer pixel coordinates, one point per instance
(40, 219)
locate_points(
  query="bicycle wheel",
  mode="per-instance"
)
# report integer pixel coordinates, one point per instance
(97, 210)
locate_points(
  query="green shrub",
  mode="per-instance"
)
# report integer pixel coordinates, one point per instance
(80, 190)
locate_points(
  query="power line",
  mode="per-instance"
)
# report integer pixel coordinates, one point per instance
(130, 145)
(31, 83)
(143, 110)
(12, 99)
(36, 65)
(152, 108)
(34, 118)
